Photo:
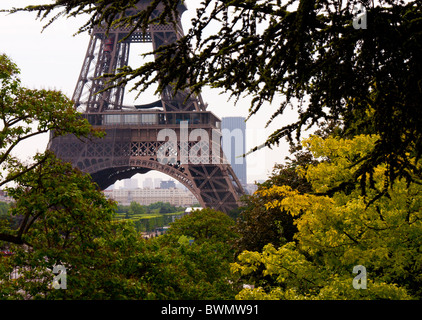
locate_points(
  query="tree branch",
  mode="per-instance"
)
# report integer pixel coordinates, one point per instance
(20, 173)
(11, 238)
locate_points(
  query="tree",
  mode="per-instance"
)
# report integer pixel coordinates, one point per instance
(175, 270)
(341, 231)
(308, 52)
(167, 208)
(135, 208)
(173, 267)
(259, 225)
(66, 221)
(204, 225)
(4, 208)
(26, 113)
(59, 216)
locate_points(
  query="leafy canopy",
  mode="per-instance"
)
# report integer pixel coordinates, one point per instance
(26, 113)
(339, 231)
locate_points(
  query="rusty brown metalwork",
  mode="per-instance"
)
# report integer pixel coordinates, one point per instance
(132, 143)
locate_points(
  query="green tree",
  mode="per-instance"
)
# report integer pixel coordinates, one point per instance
(169, 208)
(122, 208)
(69, 222)
(259, 225)
(204, 225)
(135, 208)
(4, 208)
(162, 207)
(66, 221)
(339, 231)
(26, 113)
(172, 267)
(59, 215)
(308, 52)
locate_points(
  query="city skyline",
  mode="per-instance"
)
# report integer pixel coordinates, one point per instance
(146, 196)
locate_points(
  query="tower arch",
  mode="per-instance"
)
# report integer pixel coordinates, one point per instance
(132, 144)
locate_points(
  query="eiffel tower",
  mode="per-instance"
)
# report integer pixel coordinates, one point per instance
(137, 138)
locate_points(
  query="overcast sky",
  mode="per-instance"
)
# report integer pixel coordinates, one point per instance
(53, 60)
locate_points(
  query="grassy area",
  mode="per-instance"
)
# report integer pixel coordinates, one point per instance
(120, 215)
(147, 222)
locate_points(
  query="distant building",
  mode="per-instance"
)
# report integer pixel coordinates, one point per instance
(130, 183)
(233, 130)
(157, 182)
(148, 183)
(146, 196)
(4, 197)
(167, 184)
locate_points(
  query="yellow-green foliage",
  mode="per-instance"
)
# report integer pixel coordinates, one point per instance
(337, 232)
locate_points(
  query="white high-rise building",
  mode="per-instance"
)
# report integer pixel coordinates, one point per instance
(233, 130)
(157, 182)
(148, 183)
(130, 183)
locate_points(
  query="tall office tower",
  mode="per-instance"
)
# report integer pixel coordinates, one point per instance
(167, 184)
(233, 131)
(130, 183)
(157, 183)
(148, 183)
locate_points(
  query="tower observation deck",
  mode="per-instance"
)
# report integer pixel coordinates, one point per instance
(174, 135)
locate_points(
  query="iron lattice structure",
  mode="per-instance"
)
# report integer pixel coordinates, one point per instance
(132, 143)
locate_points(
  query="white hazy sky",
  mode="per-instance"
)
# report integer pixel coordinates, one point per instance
(53, 59)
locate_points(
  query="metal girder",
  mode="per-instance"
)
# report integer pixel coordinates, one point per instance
(132, 146)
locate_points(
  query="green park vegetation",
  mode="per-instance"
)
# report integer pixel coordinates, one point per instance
(147, 218)
(4, 208)
(349, 195)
